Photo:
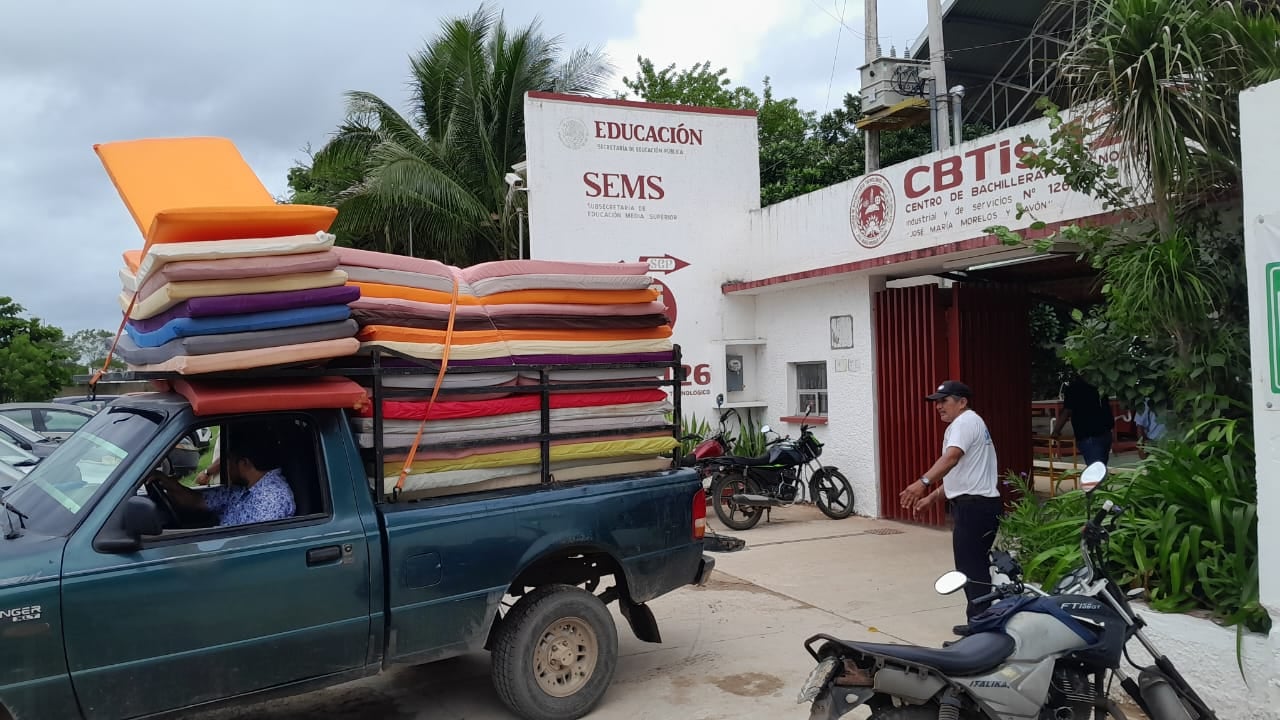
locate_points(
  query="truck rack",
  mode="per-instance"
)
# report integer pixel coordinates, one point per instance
(372, 368)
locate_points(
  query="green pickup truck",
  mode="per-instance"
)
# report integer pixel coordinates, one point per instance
(117, 602)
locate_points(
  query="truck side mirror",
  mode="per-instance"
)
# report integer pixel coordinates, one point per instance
(139, 517)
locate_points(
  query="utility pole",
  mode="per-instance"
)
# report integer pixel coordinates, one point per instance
(938, 67)
(872, 52)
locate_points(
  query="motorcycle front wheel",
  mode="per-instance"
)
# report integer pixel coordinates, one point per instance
(734, 516)
(832, 493)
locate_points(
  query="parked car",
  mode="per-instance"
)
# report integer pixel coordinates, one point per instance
(13, 455)
(26, 438)
(9, 475)
(55, 420)
(15, 463)
(82, 401)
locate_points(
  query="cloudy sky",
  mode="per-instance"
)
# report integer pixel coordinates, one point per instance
(270, 75)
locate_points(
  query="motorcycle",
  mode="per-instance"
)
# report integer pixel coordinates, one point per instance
(745, 488)
(714, 446)
(1032, 655)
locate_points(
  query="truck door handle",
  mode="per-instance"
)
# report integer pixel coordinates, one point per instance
(322, 555)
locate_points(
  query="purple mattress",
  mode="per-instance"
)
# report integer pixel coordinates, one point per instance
(243, 304)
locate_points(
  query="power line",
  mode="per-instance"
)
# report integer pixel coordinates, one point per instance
(835, 60)
(840, 20)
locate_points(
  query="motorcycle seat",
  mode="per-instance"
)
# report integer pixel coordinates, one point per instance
(971, 655)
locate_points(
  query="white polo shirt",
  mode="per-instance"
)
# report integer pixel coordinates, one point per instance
(976, 473)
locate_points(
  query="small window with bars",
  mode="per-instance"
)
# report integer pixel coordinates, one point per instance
(811, 388)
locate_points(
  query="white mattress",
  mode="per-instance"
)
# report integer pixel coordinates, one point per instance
(162, 253)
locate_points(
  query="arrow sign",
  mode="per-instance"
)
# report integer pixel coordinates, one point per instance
(664, 263)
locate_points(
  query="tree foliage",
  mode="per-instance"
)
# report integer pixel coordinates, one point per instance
(436, 175)
(1162, 78)
(33, 361)
(87, 349)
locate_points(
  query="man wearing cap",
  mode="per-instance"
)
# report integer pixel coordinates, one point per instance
(967, 476)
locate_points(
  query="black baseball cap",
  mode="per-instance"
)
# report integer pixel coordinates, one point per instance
(951, 387)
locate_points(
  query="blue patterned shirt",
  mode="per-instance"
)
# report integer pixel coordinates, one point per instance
(269, 499)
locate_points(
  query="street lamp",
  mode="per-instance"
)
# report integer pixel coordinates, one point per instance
(515, 184)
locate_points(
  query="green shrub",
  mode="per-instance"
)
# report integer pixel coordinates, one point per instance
(1188, 538)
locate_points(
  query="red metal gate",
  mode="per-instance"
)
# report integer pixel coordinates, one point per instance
(911, 358)
(992, 354)
(925, 335)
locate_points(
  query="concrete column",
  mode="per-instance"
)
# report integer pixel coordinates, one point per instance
(1258, 109)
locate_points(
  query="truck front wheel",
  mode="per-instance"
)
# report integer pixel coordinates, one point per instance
(555, 654)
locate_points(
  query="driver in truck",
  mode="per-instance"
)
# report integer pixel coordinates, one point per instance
(256, 489)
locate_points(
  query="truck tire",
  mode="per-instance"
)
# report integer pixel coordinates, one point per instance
(555, 654)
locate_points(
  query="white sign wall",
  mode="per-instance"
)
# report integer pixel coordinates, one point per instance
(613, 181)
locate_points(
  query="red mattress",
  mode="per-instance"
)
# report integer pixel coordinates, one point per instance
(210, 397)
(403, 410)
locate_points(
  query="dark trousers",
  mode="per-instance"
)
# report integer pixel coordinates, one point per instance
(976, 520)
(1095, 448)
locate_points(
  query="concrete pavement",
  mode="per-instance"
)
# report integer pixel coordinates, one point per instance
(731, 649)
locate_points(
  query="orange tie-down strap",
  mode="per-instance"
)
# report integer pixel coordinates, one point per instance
(111, 351)
(435, 389)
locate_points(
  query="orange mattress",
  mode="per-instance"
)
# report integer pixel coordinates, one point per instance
(391, 333)
(582, 297)
(200, 188)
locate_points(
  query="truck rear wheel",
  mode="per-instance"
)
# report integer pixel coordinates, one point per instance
(555, 654)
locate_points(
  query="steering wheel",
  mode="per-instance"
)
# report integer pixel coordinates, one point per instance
(158, 496)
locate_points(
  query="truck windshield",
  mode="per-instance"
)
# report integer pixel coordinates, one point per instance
(52, 497)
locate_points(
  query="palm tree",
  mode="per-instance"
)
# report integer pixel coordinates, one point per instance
(439, 173)
(1169, 73)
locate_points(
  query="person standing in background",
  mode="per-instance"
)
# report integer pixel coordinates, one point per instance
(1091, 417)
(1149, 428)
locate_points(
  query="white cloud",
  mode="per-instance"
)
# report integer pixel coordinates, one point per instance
(729, 34)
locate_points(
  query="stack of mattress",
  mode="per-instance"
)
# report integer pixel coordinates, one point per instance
(508, 316)
(202, 307)
(227, 279)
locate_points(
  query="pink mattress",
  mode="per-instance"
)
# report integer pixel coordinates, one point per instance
(356, 273)
(548, 281)
(502, 268)
(394, 410)
(651, 308)
(387, 261)
(230, 269)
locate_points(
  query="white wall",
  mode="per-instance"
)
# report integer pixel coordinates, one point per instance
(1258, 109)
(934, 200)
(686, 189)
(795, 324)
(1205, 653)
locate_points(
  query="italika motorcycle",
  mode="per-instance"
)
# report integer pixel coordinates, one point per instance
(745, 488)
(1032, 655)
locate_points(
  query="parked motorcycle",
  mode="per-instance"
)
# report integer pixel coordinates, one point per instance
(745, 488)
(713, 446)
(1032, 655)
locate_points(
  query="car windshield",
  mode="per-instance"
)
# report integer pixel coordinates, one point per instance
(52, 497)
